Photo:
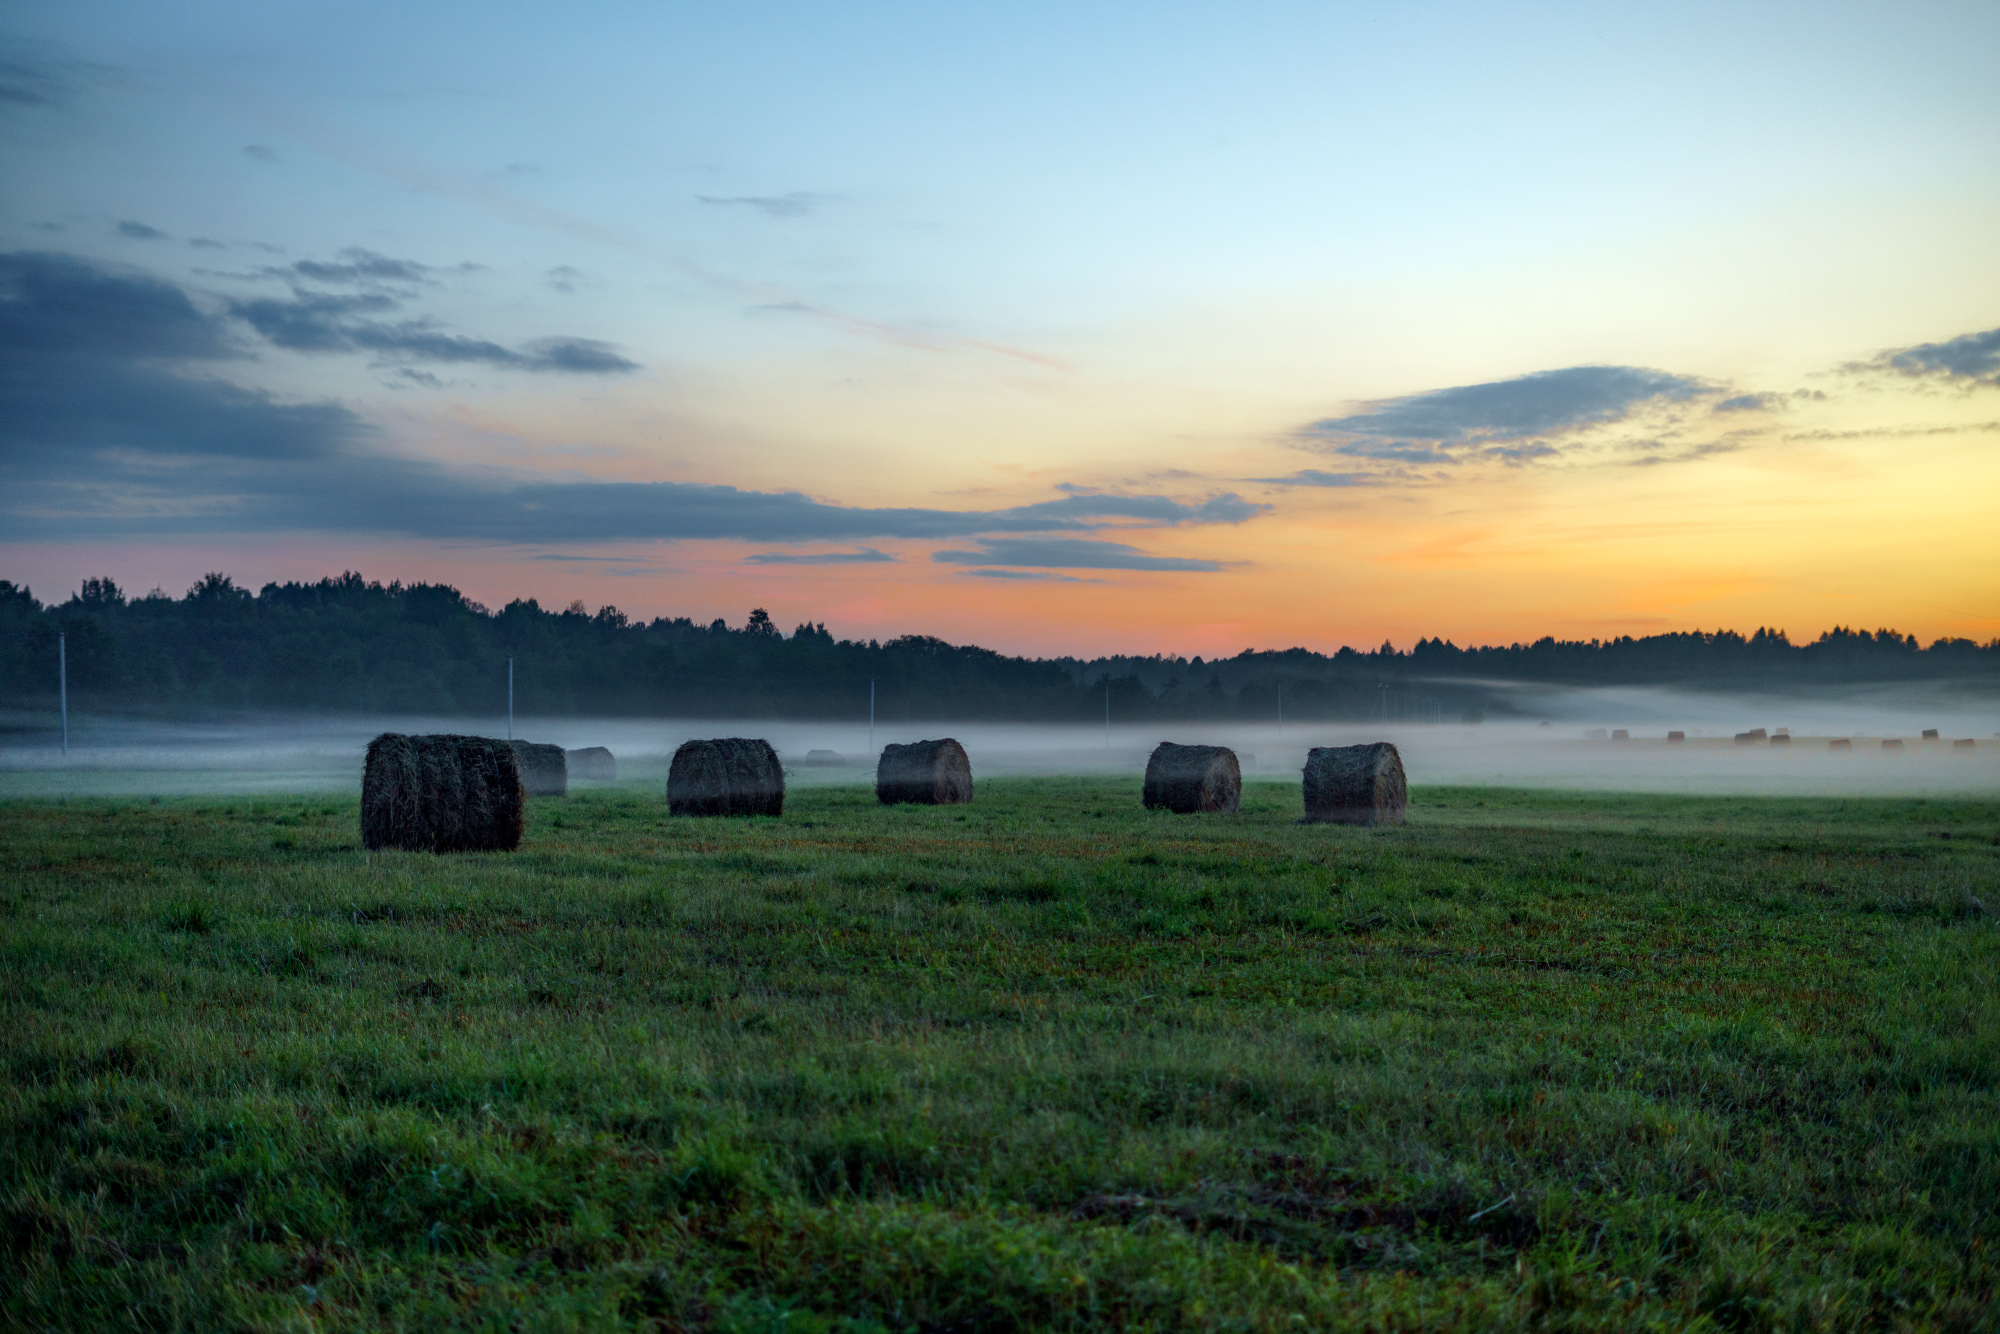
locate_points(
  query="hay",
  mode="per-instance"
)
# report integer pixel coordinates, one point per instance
(1355, 785)
(441, 794)
(822, 759)
(1894, 743)
(1782, 739)
(726, 776)
(1750, 737)
(1189, 779)
(544, 769)
(1620, 734)
(594, 763)
(1840, 743)
(1677, 736)
(1930, 734)
(1966, 744)
(929, 773)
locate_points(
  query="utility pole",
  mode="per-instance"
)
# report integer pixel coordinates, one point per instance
(510, 699)
(871, 715)
(62, 684)
(1107, 713)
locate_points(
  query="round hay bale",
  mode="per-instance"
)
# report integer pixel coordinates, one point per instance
(593, 763)
(1893, 743)
(1840, 743)
(727, 776)
(1930, 734)
(544, 769)
(822, 759)
(1355, 785)
(1677, 737)
(1620, 734)
(928, 773)
(1967, 744)
(441, 794)
(1191, 779)
(1781, 739)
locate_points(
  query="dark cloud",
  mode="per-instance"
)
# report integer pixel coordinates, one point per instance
(1751, 403)
(261, 152)
(90, 372)
(1969, 359)
(335, 322)
(1039, 576)
(1314, 477)
(139, 231)
(205, 243)
(1429, 427)
(794, 205)
(1068, 553)
(107, 428)
(356, 265)
(865, 556)
(1516, 455)
(26, 83)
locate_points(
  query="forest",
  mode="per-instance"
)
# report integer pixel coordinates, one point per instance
(348, 644)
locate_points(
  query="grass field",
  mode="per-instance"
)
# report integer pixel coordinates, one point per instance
(1048, 1061)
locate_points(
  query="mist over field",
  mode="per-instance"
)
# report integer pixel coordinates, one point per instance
(301, 753)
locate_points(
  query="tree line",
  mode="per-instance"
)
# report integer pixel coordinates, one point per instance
(347, 644)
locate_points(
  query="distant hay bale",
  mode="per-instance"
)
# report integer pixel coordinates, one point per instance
(1893, 743)
(1785, 732)
(1620, 734)
(593, 764)
(1191, 779)
(1355, 785)
(544, 769)
(1781, 738)
(1930, 734)
(1966, 744)
(926, 773)
(816, 759)
(1677, 736)
(726, 776)
(1750, 737)
(1840, 743)
(441, 794)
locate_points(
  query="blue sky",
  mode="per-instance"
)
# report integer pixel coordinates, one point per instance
(980, 259)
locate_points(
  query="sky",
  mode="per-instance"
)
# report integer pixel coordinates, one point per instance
(1062, 329)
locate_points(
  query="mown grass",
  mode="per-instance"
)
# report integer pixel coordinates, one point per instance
(1048, 1061)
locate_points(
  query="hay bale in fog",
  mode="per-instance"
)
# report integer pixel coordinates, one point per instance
(1930, 734)
(1966, 744)
(928, 773)
(1620, 734)
(819, 759)
(727, 776)
(1782, 738)
(1750, 737)
(1894, 743)
(593, 763)
(1355, 785)
(1840, 743)
(1189, 779)
(1677, 736)
(544, 769)
(441, 794)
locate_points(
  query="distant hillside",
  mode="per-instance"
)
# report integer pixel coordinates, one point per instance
(346, 644)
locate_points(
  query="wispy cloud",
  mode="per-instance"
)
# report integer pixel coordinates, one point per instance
(1314, 477)
(1059, 553)
(794, 205)
(1969, 359)
(139, 231)
(865, 556)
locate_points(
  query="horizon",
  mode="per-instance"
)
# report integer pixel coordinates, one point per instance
(1114, 333)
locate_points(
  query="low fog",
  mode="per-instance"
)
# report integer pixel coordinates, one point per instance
(1547, 745)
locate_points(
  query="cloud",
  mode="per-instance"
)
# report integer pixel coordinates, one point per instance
(1314, 477)
(1433, 427)
(24, 83)
(205, 243)
(1751, 403)
(794, 205)
(336, 322)
(114, 422)
(88, 375)
(139, 231)
(260, 152)
(357, 265)
(1069, 553)
(1659, 453)
(1516, 455)
(564, 278)
(1970, 359)
(865, 556)
(1040, 576)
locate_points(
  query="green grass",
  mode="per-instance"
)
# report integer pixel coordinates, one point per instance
(1048, 1061)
